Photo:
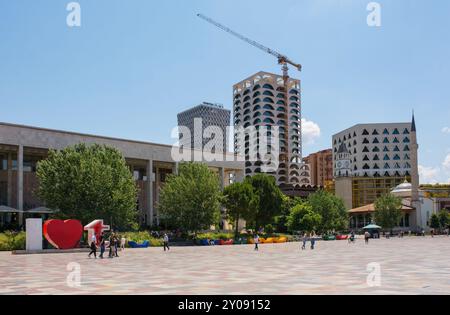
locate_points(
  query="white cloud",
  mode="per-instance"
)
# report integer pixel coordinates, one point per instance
(446, 130)
(310, 131)
(428, 174)
(446, 163)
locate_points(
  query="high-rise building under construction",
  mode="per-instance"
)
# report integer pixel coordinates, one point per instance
(263, 101)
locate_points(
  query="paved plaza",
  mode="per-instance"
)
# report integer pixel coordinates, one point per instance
(411, 265)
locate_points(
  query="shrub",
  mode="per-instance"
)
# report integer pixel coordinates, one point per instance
(12, 241)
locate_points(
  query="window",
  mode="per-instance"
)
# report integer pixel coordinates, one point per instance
(256, 87)
(385, 131)
(268, 100)
(268, 93)
(385, 149)
(395, 132)
(386, 157)
(387, 166)
(396, 157)
(365, 149)
(366, 141)
(385, 140)
(406, 148)
(268, 86)
(366, 158)
(365, 132)
(396, 140)
(375, 140)
(375, 132)
(406, 131)
(366, 167)
(406, 140)
(396, 149)
(376, 158)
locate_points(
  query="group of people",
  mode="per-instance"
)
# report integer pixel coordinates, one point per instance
(113, 242)
(311, 237)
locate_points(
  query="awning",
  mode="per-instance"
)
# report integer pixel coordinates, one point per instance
(6, 209)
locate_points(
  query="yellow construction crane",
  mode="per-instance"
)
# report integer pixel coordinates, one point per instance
(282, 59)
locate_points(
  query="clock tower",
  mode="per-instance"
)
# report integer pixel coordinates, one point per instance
(342, 166)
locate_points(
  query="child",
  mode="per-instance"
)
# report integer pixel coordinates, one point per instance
(93, 250)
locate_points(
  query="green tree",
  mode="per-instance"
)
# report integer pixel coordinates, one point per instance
(88, 182)
(434, 221)
(268, 199)
(287, 204)
(331, 209)
(191, 200)
(444, 218)
(388, 211)
(303, 218)
(237, 199)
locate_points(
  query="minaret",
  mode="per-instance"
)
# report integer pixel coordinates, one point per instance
(415, 201)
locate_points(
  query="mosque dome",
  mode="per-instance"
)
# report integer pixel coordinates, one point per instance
(402, 190)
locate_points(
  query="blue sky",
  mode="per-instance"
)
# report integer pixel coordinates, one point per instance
(133, 65)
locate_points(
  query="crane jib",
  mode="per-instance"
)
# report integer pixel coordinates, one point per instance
(282, 59)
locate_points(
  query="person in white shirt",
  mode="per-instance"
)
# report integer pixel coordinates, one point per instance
(166, 242)
(123, 241)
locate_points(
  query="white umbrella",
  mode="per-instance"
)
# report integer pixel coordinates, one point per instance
(40, 210)
(6, 209)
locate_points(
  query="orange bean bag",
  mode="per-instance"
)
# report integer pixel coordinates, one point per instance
(280, 240)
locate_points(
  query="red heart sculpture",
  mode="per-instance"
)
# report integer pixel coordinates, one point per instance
(63, 234)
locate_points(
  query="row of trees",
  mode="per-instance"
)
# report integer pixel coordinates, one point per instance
(193, 200)
(93, 181)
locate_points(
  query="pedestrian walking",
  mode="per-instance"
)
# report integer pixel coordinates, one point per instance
(93, 250)
(111, 246)
(366, 237)
(123, 242)
(256, 241)
(116, 245)
(313, 240)
(166, 241)
(304, 240)
(102, 247)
